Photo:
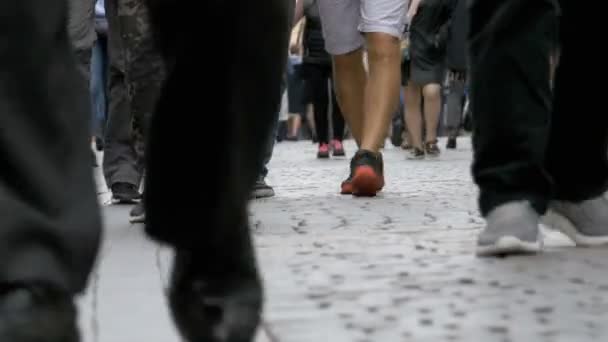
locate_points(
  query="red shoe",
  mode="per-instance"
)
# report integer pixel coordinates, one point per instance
(368, 175)
(323, 151)
(347, 186)
(338, 148)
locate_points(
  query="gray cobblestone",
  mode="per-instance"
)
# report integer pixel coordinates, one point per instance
(398, 267)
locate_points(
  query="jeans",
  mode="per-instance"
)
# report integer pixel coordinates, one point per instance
(98, 87)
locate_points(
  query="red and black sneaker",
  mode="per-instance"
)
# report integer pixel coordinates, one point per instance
(346, 188)
(367, 174)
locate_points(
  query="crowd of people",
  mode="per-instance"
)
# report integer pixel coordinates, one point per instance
(532, 161)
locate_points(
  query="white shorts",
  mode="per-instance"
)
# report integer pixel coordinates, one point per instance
(344, 21)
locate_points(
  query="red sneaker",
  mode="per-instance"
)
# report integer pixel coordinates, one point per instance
(337, 148)
(323, 151)
(368, 175)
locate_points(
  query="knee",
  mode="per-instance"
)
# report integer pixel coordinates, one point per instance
(431, 91)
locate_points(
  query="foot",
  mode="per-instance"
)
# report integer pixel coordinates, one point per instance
(406, 146)
(337, 148)
(125, 193)
(511, 228)
(431, 149)
(585, 223)
(216, 308)
(261, 189)
(452, 143)
(416, 154)
(368, 173)
(323, 151)
(138, 213)
(36, 313)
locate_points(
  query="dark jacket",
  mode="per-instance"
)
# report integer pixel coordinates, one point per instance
(313, 41)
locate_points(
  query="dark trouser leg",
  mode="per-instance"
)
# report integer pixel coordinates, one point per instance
(337, 117)
(511, 99)
(49, 220)
(317, 81)
(120, 163)
(242, 102)
(144, 70)
(576, 159)
(455, 102)
(98, 86)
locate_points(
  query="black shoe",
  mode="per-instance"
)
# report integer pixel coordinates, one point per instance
(125, 193)
(261, 189)
(138, 213)
(214, 306)
(416, 154)
(36, 313)
(99, 144)
(452, 143)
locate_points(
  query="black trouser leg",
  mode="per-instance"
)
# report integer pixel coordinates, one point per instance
(49, 220)
(120, 162)
(317, 80)
(577, 154)
(511, 42)
(336, 114)
(242, 100)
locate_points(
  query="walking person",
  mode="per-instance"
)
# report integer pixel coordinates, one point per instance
(456, 78)
(424, 73)
(318, 76)
(367, 102)
(525, 162)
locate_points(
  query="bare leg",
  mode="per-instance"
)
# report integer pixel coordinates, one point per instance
(382, 90)
(350, 85)
(432, 109)
(413, 115)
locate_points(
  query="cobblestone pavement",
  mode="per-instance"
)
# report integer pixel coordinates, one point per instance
(398, 267)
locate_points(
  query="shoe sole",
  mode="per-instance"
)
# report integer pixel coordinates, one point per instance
(510, 245)
(322, 156)
(366, 183)
(563, 224)
(339, 154)
(138, 219)
(125, 201)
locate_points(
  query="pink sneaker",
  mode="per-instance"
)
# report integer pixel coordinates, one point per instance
(323, 151)
(338, 148)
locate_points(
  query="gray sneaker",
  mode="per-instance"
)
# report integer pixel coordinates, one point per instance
(138, 213)
(261, 189)
(511, 228)
(585, 223)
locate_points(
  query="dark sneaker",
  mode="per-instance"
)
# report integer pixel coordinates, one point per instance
(346, 188)
(416, 154)
(99, 144)
(214, 305)
(368, 173)
(337, 148)
(261, 189)
(452, 143)
(138, 213)
(125, 193)
(36, 312)
(323, 151)
(585, 223)
(511, 228)
(431, 149)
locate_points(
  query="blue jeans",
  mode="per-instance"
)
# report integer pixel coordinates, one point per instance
(98, 87)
